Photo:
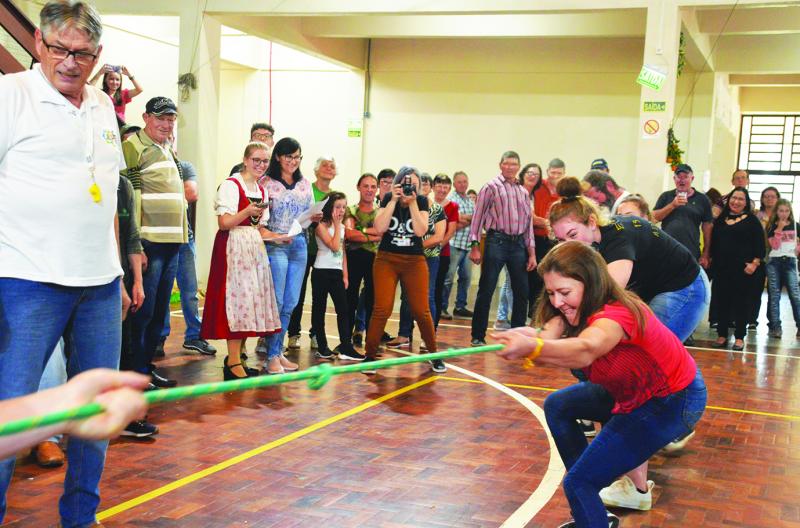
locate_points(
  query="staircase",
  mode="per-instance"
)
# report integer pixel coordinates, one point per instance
(17, 51)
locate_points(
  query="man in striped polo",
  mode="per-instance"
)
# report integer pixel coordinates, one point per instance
(160, 209)
(503, 211)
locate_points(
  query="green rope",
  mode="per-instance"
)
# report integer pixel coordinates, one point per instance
(317, 377)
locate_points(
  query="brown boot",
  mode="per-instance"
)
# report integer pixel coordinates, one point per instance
(49, 454)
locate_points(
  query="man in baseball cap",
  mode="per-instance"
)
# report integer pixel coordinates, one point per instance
(600, 164)
(159, 106)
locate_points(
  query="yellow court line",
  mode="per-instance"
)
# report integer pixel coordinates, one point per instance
(728, 409)
(127, 505)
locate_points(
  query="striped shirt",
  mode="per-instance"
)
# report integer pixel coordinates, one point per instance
(503, 207)
(159, 203)
(460, 239)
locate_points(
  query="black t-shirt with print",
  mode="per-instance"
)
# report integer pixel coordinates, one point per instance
(400, 237)
(660, 263)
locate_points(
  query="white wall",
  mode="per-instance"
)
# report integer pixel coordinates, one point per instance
(148, 46)
(458, 104)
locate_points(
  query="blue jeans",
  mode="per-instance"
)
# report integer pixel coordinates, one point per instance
(459, 261)
(187, 284)
(148, 322)
(681, 310)
(506, 300)
(288, 264)
(55, 374)
(624, 443)
(406, 322)
(499, 252)
(782, 271)
(33, 316)
(361, 314)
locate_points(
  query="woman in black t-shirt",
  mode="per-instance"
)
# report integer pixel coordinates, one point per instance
(402, 220)
(640, 257)
(737, 251)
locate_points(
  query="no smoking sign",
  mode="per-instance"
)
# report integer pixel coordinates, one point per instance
(651, 129)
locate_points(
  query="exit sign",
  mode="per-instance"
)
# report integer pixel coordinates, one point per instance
(655, 106)
(652, 77)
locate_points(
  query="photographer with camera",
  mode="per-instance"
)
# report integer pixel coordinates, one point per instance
(112, 86)
(402, 221)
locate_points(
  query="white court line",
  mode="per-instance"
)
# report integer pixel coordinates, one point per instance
(554, 473)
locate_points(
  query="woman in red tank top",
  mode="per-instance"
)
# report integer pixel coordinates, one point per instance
(643, 385)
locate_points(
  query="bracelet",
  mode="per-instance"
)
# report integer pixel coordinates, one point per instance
(527, 363)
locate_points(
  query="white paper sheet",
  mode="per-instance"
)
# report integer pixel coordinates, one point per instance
(305, 218)
(294, 230)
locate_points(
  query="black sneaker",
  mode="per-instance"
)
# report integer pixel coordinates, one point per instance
(161, 382)
(689, 341)
(159, 349)
(437, 365)
(462, 312)
(385, 338)
(613, 522)
(200, 345)
(369, 371)
(587, 427)
(477, 342)
(139, 429)
(324, 353)
(358, 339)
(350, 354)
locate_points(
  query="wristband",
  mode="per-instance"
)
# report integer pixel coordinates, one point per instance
(474, 243)
(527, 363)
(131, 78)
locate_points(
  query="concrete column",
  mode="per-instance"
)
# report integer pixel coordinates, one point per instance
(198, 122)
(660, 50)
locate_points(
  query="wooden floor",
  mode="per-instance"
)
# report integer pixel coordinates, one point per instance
(407, 448)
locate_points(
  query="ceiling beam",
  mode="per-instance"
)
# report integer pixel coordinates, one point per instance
(348, 52)
(698, 44)
(617, 23)
(756, 20)
(758, 54)
(764, 80)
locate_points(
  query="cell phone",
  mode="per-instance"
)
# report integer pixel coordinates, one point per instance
(112, 68)
(261, 205)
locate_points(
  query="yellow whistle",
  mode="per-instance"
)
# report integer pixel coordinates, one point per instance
(94, 190)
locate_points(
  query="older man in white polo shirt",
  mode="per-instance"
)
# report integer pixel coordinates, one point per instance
(60, 271)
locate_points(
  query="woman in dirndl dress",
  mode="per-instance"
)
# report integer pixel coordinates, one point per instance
(240, 300)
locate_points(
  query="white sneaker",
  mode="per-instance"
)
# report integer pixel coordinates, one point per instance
(623, 494)
(294, 342)
(314, 345)
(679, 444)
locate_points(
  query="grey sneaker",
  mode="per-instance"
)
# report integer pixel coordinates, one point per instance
(314, 345)
(446, 315)
(502, 325)
(294, 342)
(261, 346)
(200, 345)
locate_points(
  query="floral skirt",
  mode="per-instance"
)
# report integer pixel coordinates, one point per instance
(240, 299)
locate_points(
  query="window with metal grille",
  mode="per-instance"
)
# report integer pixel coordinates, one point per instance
(769, 149)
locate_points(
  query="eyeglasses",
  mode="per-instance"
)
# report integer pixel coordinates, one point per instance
(292, 158)
(84, 58)
(259, 161)
(262, 137)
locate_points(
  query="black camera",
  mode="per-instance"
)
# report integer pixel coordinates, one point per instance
(408, 187)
